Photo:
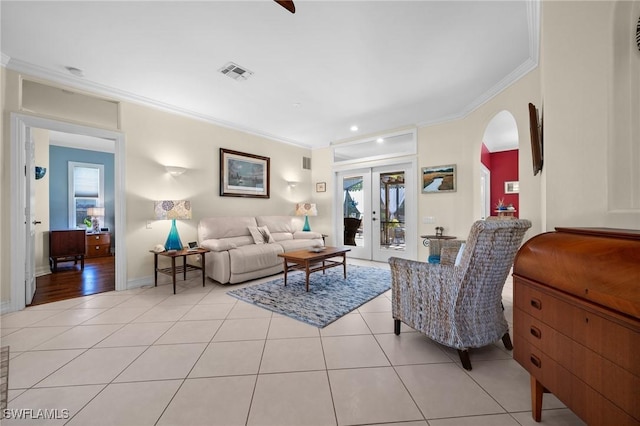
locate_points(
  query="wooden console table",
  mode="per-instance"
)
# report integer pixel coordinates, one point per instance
(576, 321)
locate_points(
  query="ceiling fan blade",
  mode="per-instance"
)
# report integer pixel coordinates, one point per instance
(287, 4)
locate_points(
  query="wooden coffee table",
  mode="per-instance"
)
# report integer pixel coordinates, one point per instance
(312, 261)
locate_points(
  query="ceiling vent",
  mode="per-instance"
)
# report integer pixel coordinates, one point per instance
(235, 71)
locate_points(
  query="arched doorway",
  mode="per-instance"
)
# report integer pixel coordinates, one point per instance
(499, 181)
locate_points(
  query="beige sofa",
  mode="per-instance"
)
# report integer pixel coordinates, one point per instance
(236, 257)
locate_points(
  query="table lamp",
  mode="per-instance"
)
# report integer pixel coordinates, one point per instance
(306, 210)
(95, 212)
(172, 209)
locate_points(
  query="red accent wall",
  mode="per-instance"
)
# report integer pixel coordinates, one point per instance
(485, 156)
(504, 168)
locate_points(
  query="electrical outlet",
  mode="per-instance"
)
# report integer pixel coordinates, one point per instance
(149, 222)
(428, 220)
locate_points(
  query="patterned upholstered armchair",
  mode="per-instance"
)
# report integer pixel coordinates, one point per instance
(460, 306)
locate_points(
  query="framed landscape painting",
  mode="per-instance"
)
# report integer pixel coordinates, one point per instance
(243, 175)
(437, 179)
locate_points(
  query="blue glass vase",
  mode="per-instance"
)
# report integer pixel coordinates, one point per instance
(173, 240)
(306, 226)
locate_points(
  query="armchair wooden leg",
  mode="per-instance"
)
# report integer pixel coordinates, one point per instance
(396, 327)
(506, 341)
(464, 357)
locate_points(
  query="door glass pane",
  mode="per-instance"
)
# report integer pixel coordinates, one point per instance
(353, 210)
(392, 218)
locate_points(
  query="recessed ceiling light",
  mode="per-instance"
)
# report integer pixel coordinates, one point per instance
(75, 71)
(354, 128)
(297, 104)
(379, 140)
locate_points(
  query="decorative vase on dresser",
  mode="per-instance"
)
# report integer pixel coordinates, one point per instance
(576, 321)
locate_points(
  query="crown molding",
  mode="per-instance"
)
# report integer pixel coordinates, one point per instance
(122, 95)
(4, 59)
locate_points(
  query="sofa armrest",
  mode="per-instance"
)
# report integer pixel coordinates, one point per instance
(306, 235)
(217, 245)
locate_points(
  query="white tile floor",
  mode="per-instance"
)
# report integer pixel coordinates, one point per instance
(201, 357)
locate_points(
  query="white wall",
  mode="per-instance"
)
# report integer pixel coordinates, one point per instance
(459, 142)
(156, 139)
(579, 111)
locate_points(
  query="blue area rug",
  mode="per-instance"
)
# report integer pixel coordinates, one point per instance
(330, 296)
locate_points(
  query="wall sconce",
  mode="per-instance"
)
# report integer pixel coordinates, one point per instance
(40, 172)
(292, 184)
(175, 171)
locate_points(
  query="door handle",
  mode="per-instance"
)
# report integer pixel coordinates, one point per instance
(36, 222)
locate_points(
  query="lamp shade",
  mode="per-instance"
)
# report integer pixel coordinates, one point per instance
(306, 209)
(172, 209)
(95, 211)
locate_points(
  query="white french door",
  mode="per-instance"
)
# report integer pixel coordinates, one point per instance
(377, 211)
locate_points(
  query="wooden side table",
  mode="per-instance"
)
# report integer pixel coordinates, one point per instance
(179, 268)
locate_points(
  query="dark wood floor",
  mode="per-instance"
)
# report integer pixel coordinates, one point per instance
(69, 282)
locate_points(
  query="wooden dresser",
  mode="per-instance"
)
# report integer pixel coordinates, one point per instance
(577, 321)
(99, 244)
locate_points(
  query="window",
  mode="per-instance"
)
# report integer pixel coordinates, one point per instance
(86, 189)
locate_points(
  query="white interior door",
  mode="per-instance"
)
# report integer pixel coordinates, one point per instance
(30, 219)
(378, 212)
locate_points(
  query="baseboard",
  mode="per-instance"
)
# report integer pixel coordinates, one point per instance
(140, 282)
(43, 271)
(5, 307)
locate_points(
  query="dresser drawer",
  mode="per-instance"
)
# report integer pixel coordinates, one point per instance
(547, 371)
(616, 383)
(98, 245)
(98, 239)
(97, 251)
(615, 338)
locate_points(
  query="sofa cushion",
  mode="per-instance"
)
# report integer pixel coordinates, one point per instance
(276, 224)
(225, 227)
(261, 235)
(254, 257)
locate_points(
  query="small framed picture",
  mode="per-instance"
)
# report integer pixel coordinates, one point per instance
(512, 187)
(437, 179)
(321, 186)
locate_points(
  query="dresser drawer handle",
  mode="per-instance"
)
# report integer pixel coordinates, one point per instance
(536, 361)
(535, 332)
(97, 247)
(536, 303)
(97, 238)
